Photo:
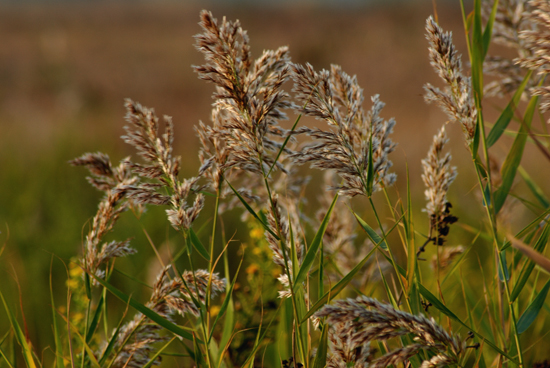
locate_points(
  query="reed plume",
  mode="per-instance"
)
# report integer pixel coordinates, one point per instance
(249, 100)
(358, 322)
(110, 180)
(355, 138)
(457, 99)
(438, 176)
(161, 168)
(135, 340)
(536, 39)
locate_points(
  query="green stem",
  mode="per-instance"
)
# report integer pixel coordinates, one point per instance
(394, 265)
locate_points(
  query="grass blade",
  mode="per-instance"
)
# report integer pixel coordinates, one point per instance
(315, 244)
(477, 50)
(530, 265)
(157, 353)
(488, 33)
(95, 320)
(503, 273)
(110, 345)
(226, 301)
(229, 320)
(6, 360)
(251, 211)
(321, 357)
(533, 309)
(58, 345)
(19, 336)
(442, 308)
(511, 164)
(535, 189)
(370, 170)
(508, 113)
(283, 146)
(199, 360)
(374, 237)
(336, 289)
(198, 245)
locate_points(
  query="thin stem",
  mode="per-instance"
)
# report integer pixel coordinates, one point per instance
(389, 250)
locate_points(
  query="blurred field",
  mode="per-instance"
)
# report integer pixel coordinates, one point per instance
(66, 68)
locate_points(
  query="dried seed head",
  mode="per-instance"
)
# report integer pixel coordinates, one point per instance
(536, 37)
(457, 99)
(135, 340)
(438, 175)
(249, 101)
(336, 98)
(357, 322)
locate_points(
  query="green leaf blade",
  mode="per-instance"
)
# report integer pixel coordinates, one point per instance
(315, 244)
(532, 311)
(198, 245)
(511, 164)
(374, 237)
(508, 113)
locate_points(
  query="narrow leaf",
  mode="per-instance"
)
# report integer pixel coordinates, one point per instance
(283, 146)
(336, 289)
(533, 309)
(198, 245)
(153, 360)
(111, 345)
(19, 336)
(199, 360)
(57, 337)
(370, 170)
(229, 320)
(321, 357)
(315, 244)
(487, 34)
(441, 307)
(510, 165)
(503, 273)
(374, 237)
(508, 113)
(530, 227)
(95, 320)
(6, 360)
(251, 211)
(530, 265)
(535, 189)
(227, 299)
(411, 248)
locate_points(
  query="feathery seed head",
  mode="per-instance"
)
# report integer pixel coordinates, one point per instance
(457, 99)
(336, 98)
(364, 320)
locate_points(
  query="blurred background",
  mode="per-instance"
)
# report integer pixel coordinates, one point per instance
(66, 67)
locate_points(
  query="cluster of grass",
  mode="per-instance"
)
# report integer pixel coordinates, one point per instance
(337, 285)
